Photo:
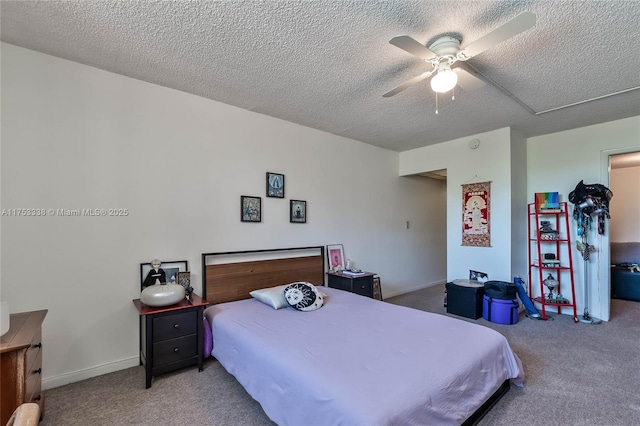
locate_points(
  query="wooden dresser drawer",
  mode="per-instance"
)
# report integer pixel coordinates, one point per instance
(34, 351)
(175, 325)
(33, 380)
(174, 350)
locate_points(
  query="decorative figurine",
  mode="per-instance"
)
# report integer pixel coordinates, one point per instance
(551, 283)
(156, 275)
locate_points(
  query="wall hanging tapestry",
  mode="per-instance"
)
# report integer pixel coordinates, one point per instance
(476, 203)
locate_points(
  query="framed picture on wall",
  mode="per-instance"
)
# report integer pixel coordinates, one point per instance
(298, 211)
(335, 256)
(250, 208)
(167, 272)
(275, 185)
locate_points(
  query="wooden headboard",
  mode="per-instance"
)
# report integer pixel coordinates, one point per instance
(226, 276)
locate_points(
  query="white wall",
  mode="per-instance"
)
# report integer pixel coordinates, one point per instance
(519, 216)
(557, 162)
(491, 161)
(75, 137)
(625, 204)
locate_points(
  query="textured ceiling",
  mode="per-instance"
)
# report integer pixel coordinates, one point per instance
(326, 64)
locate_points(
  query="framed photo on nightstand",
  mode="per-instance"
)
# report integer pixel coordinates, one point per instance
(168, 272)
(335, 256)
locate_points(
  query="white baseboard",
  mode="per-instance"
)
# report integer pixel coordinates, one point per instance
(386, 295)
(87, 373)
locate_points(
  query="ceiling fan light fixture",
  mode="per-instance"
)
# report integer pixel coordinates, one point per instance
(444, 80)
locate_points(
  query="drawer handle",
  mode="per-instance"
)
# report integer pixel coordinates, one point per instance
(38, 345)
(37, 398)
(176, 349)
(176, 325)
(38, 371)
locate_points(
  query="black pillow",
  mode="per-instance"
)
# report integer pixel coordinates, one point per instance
(303, 296)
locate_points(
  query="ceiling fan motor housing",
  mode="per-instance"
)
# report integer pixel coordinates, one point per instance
(445, 46)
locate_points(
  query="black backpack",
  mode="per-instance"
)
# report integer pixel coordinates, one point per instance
(500, 290)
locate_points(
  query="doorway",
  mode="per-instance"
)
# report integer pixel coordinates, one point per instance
(624, 182)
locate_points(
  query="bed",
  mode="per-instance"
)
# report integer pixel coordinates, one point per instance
(355, 360)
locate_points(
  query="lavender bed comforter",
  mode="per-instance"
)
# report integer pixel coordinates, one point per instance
(359, 361)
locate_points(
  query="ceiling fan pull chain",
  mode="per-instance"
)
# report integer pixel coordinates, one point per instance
(453, 94)
(436, 102)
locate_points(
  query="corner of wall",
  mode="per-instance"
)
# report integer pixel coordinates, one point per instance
(518, 145)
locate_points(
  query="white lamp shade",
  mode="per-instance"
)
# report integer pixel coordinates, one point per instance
(444, 80)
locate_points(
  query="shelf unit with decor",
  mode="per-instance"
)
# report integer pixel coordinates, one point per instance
(550, 253)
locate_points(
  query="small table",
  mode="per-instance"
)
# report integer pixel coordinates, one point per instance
(360, 283)
(171, 337)
(464, 298)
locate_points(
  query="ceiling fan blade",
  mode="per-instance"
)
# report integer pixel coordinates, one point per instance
(520, 23)
(410, 45)
(407, 84)
(467, 81)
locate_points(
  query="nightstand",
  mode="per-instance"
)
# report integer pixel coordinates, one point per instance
(171, 337)
(361, 284)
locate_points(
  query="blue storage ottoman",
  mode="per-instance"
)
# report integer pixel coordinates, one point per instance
(464, 298)
(500, 311)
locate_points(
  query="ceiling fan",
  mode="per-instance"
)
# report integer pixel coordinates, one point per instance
(446, 51)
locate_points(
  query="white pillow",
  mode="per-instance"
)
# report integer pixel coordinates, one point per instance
(303, 296)
(272, 296)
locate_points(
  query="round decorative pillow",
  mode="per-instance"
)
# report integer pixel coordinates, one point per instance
(162, 294)
(303, 296)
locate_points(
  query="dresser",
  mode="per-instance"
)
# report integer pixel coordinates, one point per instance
(361, 284)
(21, 363)
(171, 337)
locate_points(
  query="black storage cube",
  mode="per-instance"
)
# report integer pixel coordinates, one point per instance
(465, 300)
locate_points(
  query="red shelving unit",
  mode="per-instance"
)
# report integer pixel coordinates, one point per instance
(555, 244)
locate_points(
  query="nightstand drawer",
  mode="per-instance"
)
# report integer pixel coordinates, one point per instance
(340, 283)
(360, 283)
(175, 325)
(363, 287)
(34, 349)
(175, 350)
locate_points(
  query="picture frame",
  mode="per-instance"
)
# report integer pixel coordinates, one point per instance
(170, 268)
(184, 279)
(250, 208)
(275, 185)
(335, 257)
(298, 211)
(481, 277)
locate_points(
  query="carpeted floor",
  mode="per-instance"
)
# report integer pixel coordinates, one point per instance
(576, 374)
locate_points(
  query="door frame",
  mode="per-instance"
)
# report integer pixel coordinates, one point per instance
(605, 258)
